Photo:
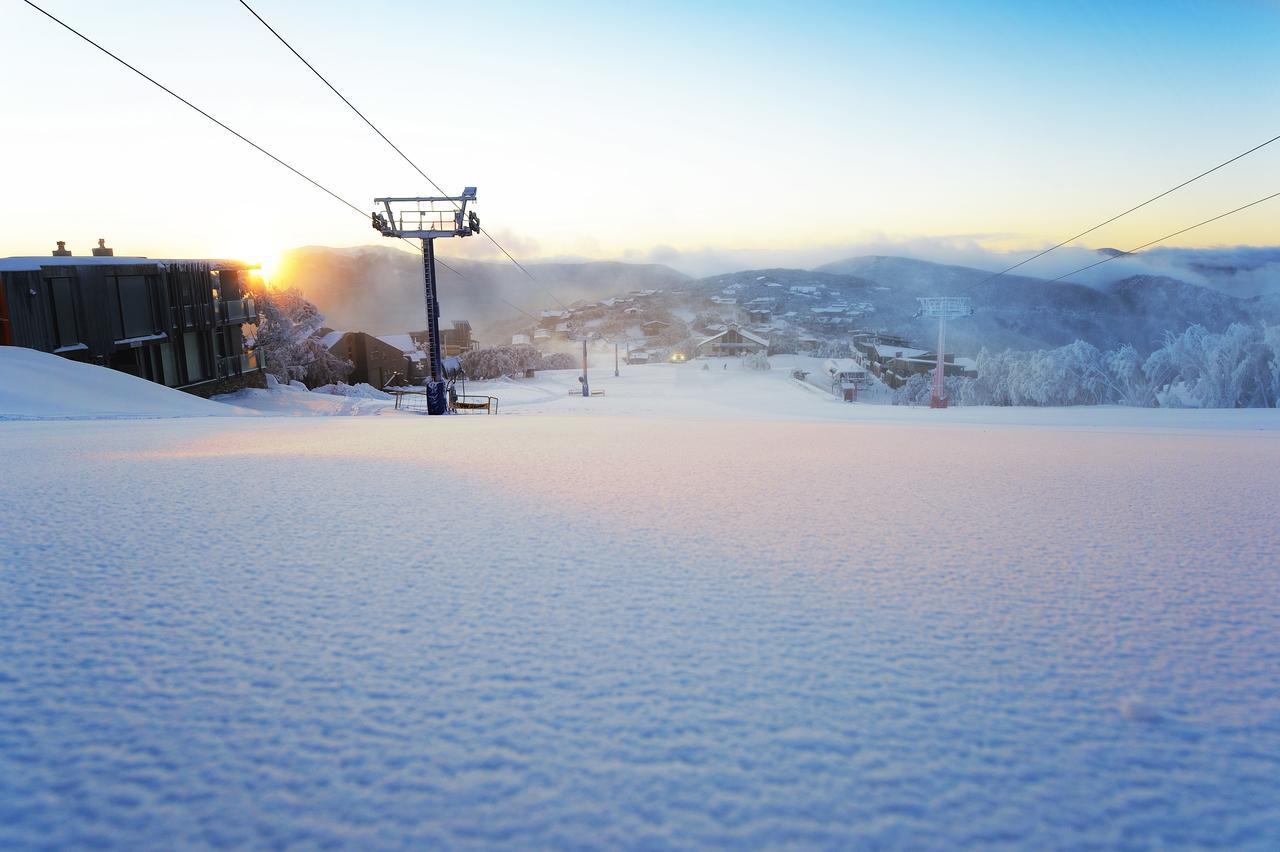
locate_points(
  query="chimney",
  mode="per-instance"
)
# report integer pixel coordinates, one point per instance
(102, 250)
(61, 250)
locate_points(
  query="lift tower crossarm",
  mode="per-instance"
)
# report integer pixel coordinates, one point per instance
(427, 217)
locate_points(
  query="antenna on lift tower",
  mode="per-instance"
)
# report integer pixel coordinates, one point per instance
(944, 308)
(429, 219)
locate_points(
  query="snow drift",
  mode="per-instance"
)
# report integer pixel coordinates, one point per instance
(39, 386)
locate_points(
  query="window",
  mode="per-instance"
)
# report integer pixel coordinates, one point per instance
(136, 316)
(66, 332)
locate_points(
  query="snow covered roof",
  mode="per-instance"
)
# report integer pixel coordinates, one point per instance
(885, 351)
(33, 264)
(742, 331)
(331, 339)
(403, 342)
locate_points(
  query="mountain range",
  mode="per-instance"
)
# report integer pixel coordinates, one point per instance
(379, 290)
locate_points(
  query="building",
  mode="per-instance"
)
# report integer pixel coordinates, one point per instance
(174, 322)
(897, 370)
(550, 319)
(653, 328)
(760, 310)
(457, 341)
(732, 341)
(373, 360)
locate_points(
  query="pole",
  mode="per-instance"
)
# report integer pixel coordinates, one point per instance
(586, 390)
(437, 399)
(939, 399)
(433, 309)
(615, 359)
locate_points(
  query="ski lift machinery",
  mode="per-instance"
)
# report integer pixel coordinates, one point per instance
(429, 219)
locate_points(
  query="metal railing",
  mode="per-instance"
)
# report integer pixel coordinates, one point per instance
(237, 310)
(236, 365)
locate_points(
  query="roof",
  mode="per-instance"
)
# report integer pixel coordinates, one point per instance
(885, 351)
(403, 342)
(33, 264)
(742, 331)
(331, 339)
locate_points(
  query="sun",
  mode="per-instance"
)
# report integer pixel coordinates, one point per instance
(268, 267)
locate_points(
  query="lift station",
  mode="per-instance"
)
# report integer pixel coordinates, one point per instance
(429, 219)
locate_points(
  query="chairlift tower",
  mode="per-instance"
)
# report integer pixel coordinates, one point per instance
(944, 308)
(585, 337)
(429, 219)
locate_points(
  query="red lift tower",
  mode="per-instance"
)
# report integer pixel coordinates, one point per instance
(944, 308)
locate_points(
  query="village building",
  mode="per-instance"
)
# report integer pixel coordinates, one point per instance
(760, 310)
(174, 322)
(896, 371)
(373, 360)
(653, 328)
(550, 319)
(734, 340)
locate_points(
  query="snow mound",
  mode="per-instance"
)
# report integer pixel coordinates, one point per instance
(363, 390)
(40, 386)
(294, 400)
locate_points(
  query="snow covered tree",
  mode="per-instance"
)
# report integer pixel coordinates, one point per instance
(1200, 369)
(491, 362)
(916, 390)
(756, 361)
(288, 340)
(558, 361)
(1238, 368)
(1126, 382)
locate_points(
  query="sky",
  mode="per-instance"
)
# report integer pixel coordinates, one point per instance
(674, 132)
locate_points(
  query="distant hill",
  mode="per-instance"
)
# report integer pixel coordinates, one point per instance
(378, 289)
(1019, 311)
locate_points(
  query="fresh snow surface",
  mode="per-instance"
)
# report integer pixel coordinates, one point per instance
(734, 612)
(37, 385)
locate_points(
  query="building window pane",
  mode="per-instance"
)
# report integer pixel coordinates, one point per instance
(64, 312)
(135, 306)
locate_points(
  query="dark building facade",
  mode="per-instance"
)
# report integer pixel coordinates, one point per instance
(175, 322)
(372, 360)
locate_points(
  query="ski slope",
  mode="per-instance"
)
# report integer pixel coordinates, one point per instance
(701, 610)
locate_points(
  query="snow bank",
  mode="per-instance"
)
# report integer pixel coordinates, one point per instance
(40, 386)
(294, 400)
(363, 390)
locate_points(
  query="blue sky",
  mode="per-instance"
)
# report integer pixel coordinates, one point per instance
(645, 129)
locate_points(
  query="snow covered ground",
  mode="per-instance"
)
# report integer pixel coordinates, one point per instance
(743, 614)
